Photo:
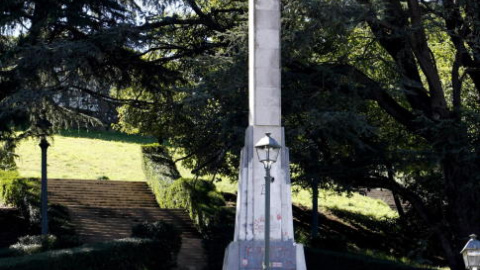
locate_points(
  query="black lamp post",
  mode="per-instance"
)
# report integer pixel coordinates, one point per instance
(267, 150)
(43, 125)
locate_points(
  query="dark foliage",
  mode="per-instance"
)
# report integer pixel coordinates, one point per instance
(321, 259)
(125, 254)
(165, 233)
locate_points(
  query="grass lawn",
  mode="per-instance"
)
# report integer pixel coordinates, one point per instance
(355, 203)
(93, 155)
(330, 199)
(84, 155)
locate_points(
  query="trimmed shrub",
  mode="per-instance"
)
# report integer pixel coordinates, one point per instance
(198, 197)
(158, 166)
(159, 231)
(124, 254)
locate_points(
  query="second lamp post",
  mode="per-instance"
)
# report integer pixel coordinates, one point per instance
(471, 253)
(267, 150)
(44, 125)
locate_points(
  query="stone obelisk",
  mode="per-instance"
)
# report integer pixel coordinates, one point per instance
(247, 249)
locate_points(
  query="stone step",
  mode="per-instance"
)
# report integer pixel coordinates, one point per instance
(109, 190)
(72, 200)
(107, 210)
(95, 193)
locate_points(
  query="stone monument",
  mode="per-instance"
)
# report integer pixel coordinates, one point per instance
(247, 249)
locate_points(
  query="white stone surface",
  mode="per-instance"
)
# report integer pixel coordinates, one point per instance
(264, 63)
(265, 116)
(301, 263)
(250, 215)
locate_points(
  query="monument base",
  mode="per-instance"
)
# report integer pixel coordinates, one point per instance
(249, 255)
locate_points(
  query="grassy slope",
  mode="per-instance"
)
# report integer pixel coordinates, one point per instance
(85, 156)
(118, 157)
(90, 155)
(329, 199)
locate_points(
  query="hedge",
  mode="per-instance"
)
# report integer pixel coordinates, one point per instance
(158, 166)
(123, 254)
(197, 196)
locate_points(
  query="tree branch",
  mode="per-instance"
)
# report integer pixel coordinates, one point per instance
(133, 102)
(458, 31)
(425, 59)
(206, 19)
(371, 90)
(391, 34)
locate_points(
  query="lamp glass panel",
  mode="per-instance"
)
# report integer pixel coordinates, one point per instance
(274, 154)
(474, 261)
(473, 258)
(261, 153)
(465, 259)
(267, 153)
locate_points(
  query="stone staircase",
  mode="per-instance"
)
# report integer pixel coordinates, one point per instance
(107, 210)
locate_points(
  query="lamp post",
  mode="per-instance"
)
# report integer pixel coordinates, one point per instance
(471, 253)
(267, 151)
(43, 125)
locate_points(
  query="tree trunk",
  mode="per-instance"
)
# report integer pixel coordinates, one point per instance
(462, 195)
(398, 204)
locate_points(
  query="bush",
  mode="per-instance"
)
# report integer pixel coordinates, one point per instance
(21, 193)
(31, 244)
(158, 166)
(24, 194)
(59, 224)
(159, 231)
(34, 244)
(198, 197)
(9, 188)
(218, 235)
(124, 254)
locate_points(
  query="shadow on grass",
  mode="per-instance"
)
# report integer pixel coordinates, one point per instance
(107, 136)
(344, 231)
(324, 259)
(339, 237)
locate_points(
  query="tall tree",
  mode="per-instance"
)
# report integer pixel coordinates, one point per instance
(50, 49)
(438, 110)
(401, 77)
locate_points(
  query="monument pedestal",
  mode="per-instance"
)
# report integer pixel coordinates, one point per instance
(247, 249)
(249, 255)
